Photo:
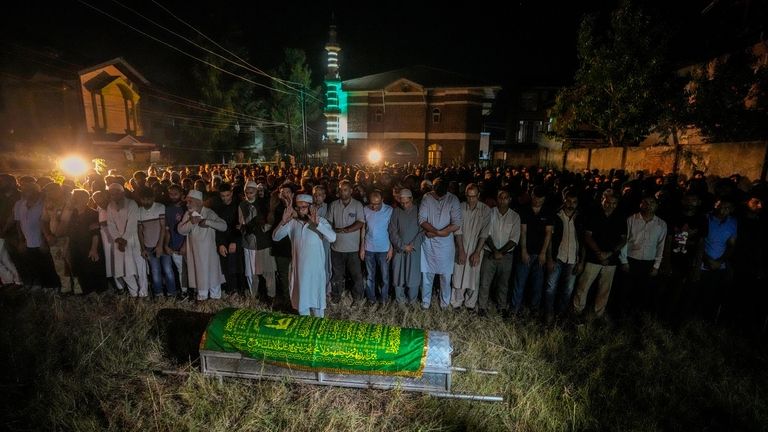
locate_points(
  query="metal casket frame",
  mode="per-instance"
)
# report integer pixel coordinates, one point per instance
(436, 377)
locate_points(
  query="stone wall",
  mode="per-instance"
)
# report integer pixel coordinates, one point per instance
(720, 159)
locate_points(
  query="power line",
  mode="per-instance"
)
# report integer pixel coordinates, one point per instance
(249, 67)
(255, 69)
(180, 50)
(244, 66)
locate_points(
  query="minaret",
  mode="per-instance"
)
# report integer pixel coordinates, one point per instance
(335, 106)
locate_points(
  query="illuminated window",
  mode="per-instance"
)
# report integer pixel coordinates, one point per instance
(435, 155)
(379, 114)
(435, 115)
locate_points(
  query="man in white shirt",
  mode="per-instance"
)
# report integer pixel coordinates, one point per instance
(307, 231)
(503, 236)
(128, 265)
(641, 256)
(346, 218)
(152, 234)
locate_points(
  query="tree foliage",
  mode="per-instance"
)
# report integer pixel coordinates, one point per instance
(227, 109)
(620, 79)
(285, 106)
(729, 99)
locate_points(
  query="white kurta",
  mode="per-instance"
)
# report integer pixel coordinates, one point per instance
(124, 223)
(8, 273)
(474, 228)
(437, 253)
(203, 264)
(321, 212)
(308, 266)
(106, 240)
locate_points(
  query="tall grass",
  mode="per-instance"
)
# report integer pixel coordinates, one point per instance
(88, 363)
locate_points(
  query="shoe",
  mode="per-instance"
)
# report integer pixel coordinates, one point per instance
(482, 312)
(506, 314)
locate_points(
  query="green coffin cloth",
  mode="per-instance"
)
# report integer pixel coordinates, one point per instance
(321, 344)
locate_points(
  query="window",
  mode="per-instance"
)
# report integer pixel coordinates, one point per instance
(379, 115)
(435, 155)
(435, 115)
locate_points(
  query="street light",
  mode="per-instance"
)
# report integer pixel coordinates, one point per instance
(74, 166)
(374, 156)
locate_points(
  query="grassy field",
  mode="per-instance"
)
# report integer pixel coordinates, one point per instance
(89, 363)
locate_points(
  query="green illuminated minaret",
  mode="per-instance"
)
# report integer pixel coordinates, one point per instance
(336, 101)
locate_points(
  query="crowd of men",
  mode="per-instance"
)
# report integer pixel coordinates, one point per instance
(514, 240)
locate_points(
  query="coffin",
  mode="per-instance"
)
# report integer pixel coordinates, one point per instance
(265, 345)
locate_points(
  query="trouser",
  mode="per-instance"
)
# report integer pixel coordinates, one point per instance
(133, 284)
(640, 287)
(284, 271)
(714, 287)
(427, 280)
(376, 262)
(522, 271)
(591, 272)
(559, 288)
(252, 278)
(161, 271)
(463, 295)
(233, 274)
(494, 272)
(179, 261)
(37, 269)
(60, 265)
(403, 294)
(343, 262)
(213, 292)
(316, 312)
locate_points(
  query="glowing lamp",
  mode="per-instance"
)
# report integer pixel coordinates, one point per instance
(73, 166)
(374, 156)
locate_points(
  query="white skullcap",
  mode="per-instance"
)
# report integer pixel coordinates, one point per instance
(251, 184)
(304, 198)
(196, 194)
(406, 193)
(116, 186)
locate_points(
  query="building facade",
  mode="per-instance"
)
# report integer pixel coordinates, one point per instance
(411, 115)
(112, 109)
(94, 112)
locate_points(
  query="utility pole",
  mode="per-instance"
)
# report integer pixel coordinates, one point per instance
(290, 139)
(304, 123)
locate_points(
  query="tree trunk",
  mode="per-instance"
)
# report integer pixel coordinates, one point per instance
(676, 160)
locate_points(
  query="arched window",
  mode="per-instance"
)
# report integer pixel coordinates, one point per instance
(435, 115)
(435, 155)
(379, 114)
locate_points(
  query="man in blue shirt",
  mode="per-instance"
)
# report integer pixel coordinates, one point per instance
(375, 249)
(718, 248)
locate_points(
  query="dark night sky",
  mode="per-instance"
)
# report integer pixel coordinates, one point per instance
(530, 41)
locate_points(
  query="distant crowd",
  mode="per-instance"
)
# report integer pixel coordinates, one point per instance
(526, 240)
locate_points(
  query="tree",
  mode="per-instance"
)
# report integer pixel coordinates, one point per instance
(729, 99)
(286, 105)
(674, 115)
(622, 70)
(228, 107)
